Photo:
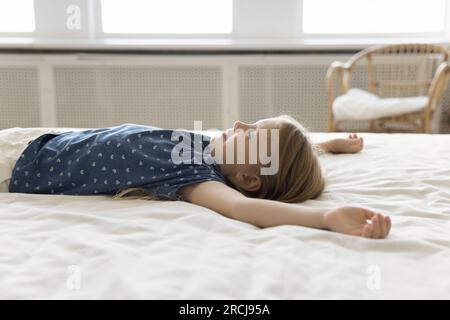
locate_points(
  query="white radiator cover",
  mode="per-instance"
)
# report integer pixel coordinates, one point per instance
(173, 91)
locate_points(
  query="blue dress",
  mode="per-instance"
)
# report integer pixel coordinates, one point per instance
(108, 160)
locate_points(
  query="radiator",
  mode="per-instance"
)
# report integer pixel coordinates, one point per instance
(172, 91)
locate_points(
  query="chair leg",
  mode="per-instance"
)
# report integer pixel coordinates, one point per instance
(331, 127)
(331, 124)
(426, 121)
(424, 128)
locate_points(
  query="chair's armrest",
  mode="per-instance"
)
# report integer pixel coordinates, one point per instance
(438, 84)
(342, 71)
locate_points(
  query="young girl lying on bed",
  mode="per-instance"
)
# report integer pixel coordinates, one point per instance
(136, 161)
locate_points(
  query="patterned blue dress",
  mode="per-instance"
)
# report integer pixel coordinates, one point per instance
(107, 160)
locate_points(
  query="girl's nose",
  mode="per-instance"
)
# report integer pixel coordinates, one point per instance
(236, 125)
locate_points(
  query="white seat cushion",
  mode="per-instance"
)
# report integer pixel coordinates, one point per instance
(359, 104)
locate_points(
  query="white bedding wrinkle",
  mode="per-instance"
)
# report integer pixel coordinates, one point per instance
(176, 250)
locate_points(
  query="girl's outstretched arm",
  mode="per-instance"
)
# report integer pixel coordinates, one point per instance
(352, 144)
(268, 213)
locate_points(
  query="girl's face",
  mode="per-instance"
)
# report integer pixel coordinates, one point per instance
(244, 139)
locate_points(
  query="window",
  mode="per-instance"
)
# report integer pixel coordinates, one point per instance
(373, 16)
(235, 24)
(17, 16)
(167, 16)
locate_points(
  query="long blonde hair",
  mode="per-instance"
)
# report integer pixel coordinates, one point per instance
(136, 194)
(299, 177)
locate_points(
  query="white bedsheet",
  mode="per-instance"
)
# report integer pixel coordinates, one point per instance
(174, 250)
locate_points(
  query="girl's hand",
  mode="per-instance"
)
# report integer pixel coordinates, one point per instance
(358, 222)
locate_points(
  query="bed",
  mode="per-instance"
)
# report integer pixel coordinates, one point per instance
(93, 247)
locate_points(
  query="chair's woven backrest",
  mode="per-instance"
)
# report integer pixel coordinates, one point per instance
(401, 70)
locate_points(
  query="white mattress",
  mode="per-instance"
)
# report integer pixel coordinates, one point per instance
(177, 250)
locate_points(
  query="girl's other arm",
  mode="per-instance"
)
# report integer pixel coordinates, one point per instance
(352, 144)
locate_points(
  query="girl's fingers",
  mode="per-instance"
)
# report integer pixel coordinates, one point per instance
(368, 214)
(387, 220)
(376, 227)
(367, 231)
(383, 226)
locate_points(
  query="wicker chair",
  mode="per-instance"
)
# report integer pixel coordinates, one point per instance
(403, 70)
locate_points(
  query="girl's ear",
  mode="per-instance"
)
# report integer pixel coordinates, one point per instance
(249, 182)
